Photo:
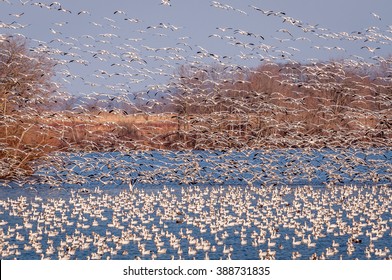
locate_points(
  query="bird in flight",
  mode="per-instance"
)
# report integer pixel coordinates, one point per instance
(376, 16)
(372, 50)
(131, 184)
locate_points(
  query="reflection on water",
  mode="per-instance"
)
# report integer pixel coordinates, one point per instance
(242, 205)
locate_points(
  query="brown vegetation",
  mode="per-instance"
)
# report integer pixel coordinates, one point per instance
(291, 105)
(331, 104)
(25, 91)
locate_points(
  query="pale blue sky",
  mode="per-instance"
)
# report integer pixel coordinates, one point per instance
(138, 48)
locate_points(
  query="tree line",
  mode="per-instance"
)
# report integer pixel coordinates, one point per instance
(336, 103)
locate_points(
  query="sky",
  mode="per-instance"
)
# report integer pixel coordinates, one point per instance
(116, 46)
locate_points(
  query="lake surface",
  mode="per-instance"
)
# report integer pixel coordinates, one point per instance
(335, 203)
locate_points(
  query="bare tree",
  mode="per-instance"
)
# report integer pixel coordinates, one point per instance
(25, 88)
(25, 79)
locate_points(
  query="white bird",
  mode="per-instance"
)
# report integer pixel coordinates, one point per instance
(131, 184)
(130, 187)
(376, 16)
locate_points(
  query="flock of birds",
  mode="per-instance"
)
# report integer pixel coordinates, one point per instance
(292, 167)
(122, 63)
(202, 205)
(115, 56)
(347, 222)
(298, 203)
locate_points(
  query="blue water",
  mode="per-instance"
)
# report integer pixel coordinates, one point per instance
(254, 178)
